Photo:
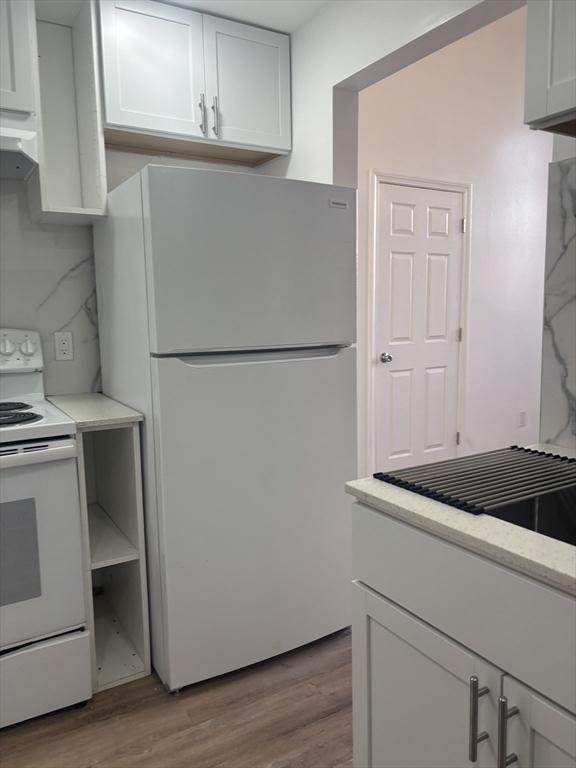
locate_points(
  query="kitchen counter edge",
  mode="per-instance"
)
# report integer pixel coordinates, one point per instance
(94, 410)
(542, 558)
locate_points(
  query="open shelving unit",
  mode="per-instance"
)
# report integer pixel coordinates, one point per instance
(69, 184)
(108, 545)
(110, 480)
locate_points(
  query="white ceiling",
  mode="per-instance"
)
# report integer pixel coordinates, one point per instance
(282, 15)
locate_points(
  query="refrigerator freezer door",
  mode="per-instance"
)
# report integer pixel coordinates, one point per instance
(241, 261)
(251, 463)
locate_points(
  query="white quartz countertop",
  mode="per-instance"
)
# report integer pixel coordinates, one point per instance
(547, 560)
(95, 410)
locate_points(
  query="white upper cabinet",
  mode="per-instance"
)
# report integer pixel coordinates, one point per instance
(175, 74)
(153, 65)
(551, 65)
(247, 84)
(17, 32)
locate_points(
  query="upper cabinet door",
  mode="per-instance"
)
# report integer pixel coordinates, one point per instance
(550, 60)
(17, 30)
(153, 67)
(247, 84)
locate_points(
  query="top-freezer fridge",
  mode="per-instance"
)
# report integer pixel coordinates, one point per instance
(227, 316)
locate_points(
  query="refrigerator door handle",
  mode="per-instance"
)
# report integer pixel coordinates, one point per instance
(243, 357)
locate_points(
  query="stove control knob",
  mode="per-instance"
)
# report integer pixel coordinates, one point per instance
(27, 348)
(7, 347)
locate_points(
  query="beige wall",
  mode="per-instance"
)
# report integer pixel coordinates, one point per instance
(457, 116)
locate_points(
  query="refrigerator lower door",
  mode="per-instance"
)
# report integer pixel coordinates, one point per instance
(252, 453)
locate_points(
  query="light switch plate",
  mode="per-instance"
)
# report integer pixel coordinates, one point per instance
(63, 345)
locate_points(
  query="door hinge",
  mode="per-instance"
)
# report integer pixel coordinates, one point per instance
(457, 438)
(459, 336)
(463, 225)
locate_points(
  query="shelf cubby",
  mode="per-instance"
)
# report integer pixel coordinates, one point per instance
(110, 480)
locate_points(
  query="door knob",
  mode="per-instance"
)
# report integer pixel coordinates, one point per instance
(385, 357)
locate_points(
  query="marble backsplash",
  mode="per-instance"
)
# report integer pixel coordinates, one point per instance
(47, 284)
(558, 406)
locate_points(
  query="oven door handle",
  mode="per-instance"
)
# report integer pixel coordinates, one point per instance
(65, 449)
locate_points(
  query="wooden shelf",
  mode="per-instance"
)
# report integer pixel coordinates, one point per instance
(108, 545)
(117, 661)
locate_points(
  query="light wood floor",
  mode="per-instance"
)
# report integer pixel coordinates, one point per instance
(291, 712)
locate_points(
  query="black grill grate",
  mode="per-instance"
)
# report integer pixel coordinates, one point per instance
(488, 481)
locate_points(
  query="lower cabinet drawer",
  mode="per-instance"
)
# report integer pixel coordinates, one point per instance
(521, 626)
(44, 676)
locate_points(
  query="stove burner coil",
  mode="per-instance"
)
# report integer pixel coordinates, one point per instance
(14, 406)
(9, 418)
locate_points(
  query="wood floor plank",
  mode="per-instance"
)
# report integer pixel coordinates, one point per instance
(293, 711)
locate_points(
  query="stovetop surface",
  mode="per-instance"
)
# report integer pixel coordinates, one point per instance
(34, 418)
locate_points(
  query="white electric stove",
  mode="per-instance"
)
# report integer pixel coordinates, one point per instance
(44, 642)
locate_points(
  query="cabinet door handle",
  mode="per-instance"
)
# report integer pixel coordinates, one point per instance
(202, 106)
(504, 714)
(216, 127)
(474, 738)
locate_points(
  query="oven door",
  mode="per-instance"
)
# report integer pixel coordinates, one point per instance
(41, 578)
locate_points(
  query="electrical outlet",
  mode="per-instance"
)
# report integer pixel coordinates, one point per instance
(63, 345)
(522, 419)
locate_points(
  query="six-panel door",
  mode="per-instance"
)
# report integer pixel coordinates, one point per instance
(412, 692)
(418, 264)
(247, 84)
(153, 64)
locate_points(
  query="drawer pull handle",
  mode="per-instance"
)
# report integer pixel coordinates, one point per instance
(202, 106)
(474, 737)
(504, 714)
(216, 111)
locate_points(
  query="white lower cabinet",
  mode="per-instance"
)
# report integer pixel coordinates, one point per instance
(422, 700)
(538, 733)
(412, 692)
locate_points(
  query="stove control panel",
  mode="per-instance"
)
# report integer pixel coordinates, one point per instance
(20, 351)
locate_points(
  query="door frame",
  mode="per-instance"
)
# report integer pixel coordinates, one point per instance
(367, 306)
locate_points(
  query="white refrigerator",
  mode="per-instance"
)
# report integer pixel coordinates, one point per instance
(227, 307)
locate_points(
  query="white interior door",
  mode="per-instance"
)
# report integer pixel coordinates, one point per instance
(153, 65)
(418, 263)
(252, 453)
(248, 72)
